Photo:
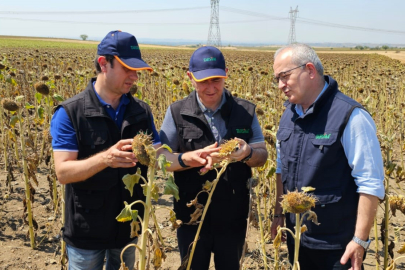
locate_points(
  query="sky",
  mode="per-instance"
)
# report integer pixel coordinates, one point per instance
(240, 21)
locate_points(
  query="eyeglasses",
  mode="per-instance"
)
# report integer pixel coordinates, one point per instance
(283, 76)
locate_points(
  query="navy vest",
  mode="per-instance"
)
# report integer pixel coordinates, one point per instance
(312, 154)
(230, 202)
(92, 205)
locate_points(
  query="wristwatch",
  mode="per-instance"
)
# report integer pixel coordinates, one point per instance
(364, 244)
(246, 159)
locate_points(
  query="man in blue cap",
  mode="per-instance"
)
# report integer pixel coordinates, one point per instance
(92, 135)
(209, 115)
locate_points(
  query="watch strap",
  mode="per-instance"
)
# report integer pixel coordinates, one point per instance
(364, 244)
(246, 159)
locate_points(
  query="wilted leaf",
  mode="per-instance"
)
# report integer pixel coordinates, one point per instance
(135, 228)
(304, 228)
(41, 112)
(171, 188)
(176, 223)
(163, 163)
(155, 192)
(29, 106)
(277, 239)
(207, 185)
(313, 217)
(307, 189)
(402, 250)
(58, 97)
(14, 119)
(130, 180)
(123, 267)
(11, 81)
(195, 216)
(165, 146)
(127, 213)
(19, 98)
(38, 97)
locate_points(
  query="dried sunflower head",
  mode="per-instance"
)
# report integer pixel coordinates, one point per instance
(10, 105)
(141, 148)
(297, 202)
(228, 147)
(397, 202)
(42, 88)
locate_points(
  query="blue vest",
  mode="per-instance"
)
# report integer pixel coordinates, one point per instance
(312, 154)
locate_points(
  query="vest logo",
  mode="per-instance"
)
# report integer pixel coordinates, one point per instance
(244, 130)
(322, 136)
(134, 47)
(209, 59)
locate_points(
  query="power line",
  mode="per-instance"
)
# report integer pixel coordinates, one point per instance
(124, 23)
(310, 21)
(87, 12)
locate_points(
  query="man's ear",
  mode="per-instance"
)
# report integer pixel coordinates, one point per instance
(311, 70)
(189, 75)
(102, 62)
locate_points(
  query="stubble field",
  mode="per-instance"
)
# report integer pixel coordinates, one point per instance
(376, 81)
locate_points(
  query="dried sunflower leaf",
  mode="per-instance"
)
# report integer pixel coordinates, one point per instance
(195, 216)
(130, 180)
(304, 228)
(207, 185)
(313, 217)
(277, 239)
(171, 188)
(401, 250)
(135, 228)
(163, 163)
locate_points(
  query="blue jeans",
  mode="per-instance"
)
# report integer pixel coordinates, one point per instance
(84, 259)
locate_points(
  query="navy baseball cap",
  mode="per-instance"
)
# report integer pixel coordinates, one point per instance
(206, 63)
(124, 47)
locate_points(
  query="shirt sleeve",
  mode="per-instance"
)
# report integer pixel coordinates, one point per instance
(63, 133)
(155, 134)
(168, 132)
(363, 153)
(257, 136)
(278, 160)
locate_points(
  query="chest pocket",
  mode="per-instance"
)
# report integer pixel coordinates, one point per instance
(94, 138)
(283, 137)
(322, 150)
(191, 137)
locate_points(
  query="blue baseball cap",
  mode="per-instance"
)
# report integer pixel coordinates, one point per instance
(206, 63)
(124, 47)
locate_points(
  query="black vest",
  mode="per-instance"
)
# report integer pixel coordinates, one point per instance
(311, 154)
(92, 205)
(230, 202)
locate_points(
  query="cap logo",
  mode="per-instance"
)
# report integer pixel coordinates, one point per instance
(209, 59)
(134, 47)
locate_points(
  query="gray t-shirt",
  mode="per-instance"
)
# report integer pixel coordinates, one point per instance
(168, 134)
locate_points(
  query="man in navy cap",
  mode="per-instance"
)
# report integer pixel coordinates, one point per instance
(92, 135)
(209, 115)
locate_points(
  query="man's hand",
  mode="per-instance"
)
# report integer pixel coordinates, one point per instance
(277, 222)
(201, 157)
(274, 225)
(243, 151)
(355, 253)
(120, 155)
